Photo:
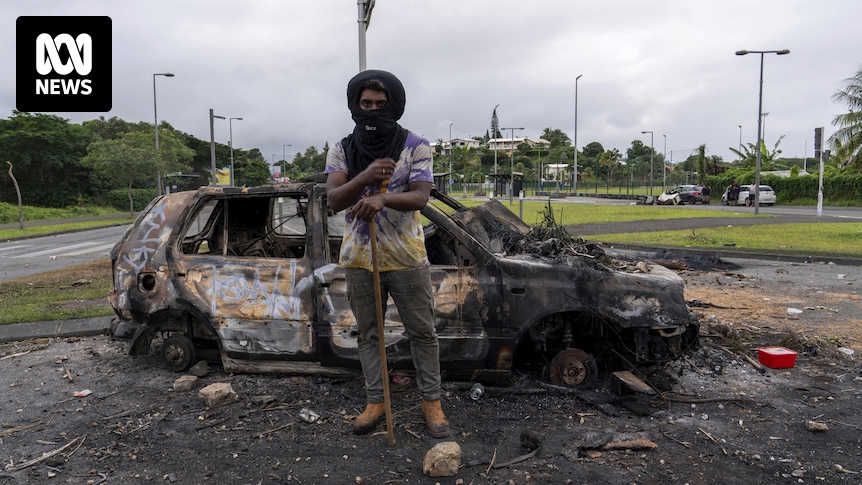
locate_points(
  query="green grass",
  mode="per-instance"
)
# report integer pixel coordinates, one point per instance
(57, 228)
(54, 296)
(820, 239)
(575, 213)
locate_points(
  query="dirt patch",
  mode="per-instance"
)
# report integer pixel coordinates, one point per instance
(716, 416)
(79, 304)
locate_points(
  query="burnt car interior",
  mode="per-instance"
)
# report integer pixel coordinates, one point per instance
(261, 227)
(269, 227)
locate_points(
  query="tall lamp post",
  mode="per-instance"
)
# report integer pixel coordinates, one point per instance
(494, 128)
(740, 142)
(764, 126)
(230, 128)
(284, 158)
(212, 147)
(512, 166)
(156, 126)
(663, 166)
(575, 167)
(651, 150)
(449, 177)
(759, 121)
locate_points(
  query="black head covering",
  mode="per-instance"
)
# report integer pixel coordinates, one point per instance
(377, 133)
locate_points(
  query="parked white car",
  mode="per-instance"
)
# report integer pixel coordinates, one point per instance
(767, 196)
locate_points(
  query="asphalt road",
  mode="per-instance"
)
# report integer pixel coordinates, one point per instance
(24, 257)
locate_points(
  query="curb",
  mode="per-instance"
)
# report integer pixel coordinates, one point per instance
(79, 327)
(648, 251)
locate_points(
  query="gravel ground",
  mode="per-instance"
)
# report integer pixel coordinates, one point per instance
(716, 415)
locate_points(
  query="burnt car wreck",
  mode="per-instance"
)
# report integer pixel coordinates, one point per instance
(249, 278)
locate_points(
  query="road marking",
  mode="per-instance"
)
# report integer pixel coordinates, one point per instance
(56, 250)
(91, 250)
(7, 248)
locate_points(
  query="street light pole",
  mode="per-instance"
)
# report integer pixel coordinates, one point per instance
(651, 150)
(230, 128)
(759, 120)
(575, 167)
(284, 159)
(512, 166)
(764, 126)
(494, 129)
(740, 142)
(156, 126)
(212, 148)
(663, 166)
(449, 177)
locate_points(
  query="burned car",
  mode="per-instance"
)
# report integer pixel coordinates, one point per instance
(249, 277)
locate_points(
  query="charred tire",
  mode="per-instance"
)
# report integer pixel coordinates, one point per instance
(178, 353)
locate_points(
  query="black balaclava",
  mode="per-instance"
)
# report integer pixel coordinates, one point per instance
(377, 133)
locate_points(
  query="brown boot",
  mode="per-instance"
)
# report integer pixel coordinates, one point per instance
(373, 415)
(435, 420)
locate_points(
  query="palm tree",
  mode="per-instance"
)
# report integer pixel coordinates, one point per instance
(847, 140)
(767, 158)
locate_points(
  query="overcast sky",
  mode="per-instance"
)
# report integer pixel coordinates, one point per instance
(666, 66)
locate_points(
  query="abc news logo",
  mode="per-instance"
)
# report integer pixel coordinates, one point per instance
(71, 70)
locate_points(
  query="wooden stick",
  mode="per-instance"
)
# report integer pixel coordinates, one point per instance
(45, 456)
(20, 428)
(378, 299)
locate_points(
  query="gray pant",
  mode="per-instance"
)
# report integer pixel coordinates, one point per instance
(414, 297)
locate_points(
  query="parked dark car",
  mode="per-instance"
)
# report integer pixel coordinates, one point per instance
(688, 194)
(249, 277)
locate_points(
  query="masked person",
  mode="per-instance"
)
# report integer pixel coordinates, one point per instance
(383, 174)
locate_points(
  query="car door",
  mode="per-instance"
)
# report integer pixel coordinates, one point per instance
(243, 267)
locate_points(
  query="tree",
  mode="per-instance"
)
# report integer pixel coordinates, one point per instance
(20, 202)
(495, 125)
(133, 157)
(768, 159)
(46, 151)
(557, 137)
(592, 150)
(847, 140)
(700, 163)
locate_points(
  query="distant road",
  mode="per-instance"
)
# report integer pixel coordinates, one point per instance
(24, 257)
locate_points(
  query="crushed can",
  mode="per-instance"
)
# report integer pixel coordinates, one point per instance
(477, 391)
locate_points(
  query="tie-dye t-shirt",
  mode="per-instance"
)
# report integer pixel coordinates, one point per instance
(400, 241)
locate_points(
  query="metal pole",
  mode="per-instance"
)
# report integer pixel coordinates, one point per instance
(820, 186)
(230, 127)
(759, 122)
(214, 180)
(740, 142)
(663, 165)
(363, 26)
(512, 166)
(652, 150)
(449, 181)
(494, 136)
(156, 127)
(575, 166)
(284, 159)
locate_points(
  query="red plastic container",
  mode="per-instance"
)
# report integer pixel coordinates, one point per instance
(777, 357)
